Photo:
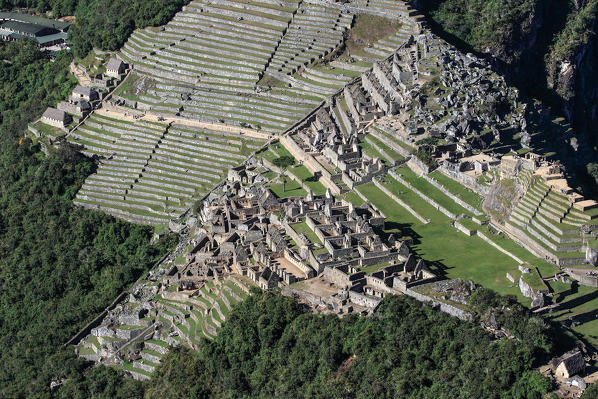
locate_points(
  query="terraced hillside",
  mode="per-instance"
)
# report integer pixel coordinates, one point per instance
(249, 63)
(141, 333)
(151, 172)
(258, 65)
(208, 59)
(551, 223)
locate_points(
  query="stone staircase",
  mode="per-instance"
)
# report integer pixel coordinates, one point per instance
(549, 223)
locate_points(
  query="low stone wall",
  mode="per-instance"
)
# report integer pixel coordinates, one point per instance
(294, 236)
(429, 200)
(572, 261)
(583, 279)
(380, 150)
(394, 146)
(308, 271)
(464, 229)
(364, 300)
(418, 163)
(444, 307)
(398, 201)
(310, 163)
(308, 297)
(466, 180)
(451, 195)
(522, 238)
(501, 249)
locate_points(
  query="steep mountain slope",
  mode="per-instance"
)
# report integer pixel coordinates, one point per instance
(547, 48)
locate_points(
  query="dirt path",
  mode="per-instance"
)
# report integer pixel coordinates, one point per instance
(122, 113)
(80, 74)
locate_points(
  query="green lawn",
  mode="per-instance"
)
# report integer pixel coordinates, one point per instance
(305, 175)
(432, 192)
(371, 152)
(389, 151)
(452, 254)
(281, 151)
(302, 227)
(588, 303)
(447, 251)
(457, 189)
(292, 189)
(353, 198)
(413, 200)
(398, 141)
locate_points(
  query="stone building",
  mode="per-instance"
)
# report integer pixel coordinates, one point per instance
(56, 118)
(571, 363)
(84, 93)
(115, 68)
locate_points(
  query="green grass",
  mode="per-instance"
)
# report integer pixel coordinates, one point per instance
(432, 192)
(546, 268)
(292, 189)
(236, 289)
(460, 191)
(373, 268)
(413, 200)
(302, 227)
(126, 88)
(533, 280)
(84, 350)
(588, 329)
(372, 152)
(306, 177)
(445, 250)
(129, 366)
(353, 198)
(389, 151)
(47, 130)
(319, 251)
(395, 139)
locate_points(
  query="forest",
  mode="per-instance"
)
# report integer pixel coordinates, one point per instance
(103, 24)
(272, 347)
(59, 265)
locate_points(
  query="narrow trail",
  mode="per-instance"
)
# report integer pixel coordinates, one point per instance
(114, 111)
(81, 76)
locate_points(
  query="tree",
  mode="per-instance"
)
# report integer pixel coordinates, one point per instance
(283, 163)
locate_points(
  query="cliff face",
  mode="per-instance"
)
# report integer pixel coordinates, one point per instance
(574, 78)
(547, 48)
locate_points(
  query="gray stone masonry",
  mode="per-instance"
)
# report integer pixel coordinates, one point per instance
(398, 201)
(427, 199)
(451, 195)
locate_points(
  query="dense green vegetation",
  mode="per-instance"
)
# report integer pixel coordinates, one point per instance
(271, 347)
(483, 24)
(104, 24)
(29, 84)
(59, 265)
(577, 31)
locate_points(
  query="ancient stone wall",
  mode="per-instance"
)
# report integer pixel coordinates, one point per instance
(444, 307)
(398, 201)
(451, 195)
(364, 300)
